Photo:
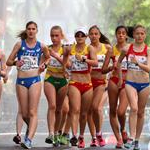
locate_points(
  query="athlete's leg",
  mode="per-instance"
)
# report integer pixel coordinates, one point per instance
(34, 97)
(65, 110)
(123, 104)
(22, 96)
(113, 100)
(133, 102)
(86, 103)
(50, 93)
(142, 100)
(74, 107)
(61, 94)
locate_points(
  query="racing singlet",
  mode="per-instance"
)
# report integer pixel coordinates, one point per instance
(116, 54)
(29, 56)
(77, 65)
(101, 58)
(54, 65)
(140, 56)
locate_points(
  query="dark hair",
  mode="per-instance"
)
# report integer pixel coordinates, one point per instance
(121, 26)
(23, 35)
(103, 38)
(130, 31)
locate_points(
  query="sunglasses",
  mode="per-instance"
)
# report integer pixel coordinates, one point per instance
(80, 35)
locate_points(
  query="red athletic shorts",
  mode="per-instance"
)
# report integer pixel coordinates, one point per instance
(98, 82)
(116, 80)
(82, 87)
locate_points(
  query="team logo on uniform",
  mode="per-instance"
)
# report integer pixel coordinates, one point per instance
(23, 48)
(22, 82)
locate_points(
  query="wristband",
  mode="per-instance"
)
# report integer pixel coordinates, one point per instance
(83, 59)
(45, 65)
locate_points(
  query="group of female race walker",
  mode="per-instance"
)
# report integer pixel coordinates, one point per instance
(77, 80)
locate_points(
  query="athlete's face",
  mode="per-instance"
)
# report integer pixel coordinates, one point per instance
(139, 35)
(94, 35)
(121, 35)
(31, 31)
(80, 37)
(56, 36)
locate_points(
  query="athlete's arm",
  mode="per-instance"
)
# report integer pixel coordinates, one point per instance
(93, 58)
(145, 67)
(66, 54)
(11, 59)
(3, 64)
(45, 58)
(105, 68)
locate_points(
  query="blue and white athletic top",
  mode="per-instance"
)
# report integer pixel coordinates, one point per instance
(30, 56)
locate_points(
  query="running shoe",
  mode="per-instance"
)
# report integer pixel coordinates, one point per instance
(26, 144)
(81, 143)
(64, 140)
(119, 144)
(124, 136)
(26, 134)
(49, 139)
(136, 146)
(100, 140)
(17, 139)
(56, 141)
(94, 143)
(129, 143)
(74, 141)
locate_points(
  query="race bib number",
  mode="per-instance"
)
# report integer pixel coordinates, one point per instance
(54, 63)
(29, 63)
(101, 59)
(133, 66)
(78, 65)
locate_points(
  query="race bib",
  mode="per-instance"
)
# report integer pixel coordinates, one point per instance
(78, 65)
(30, 63)
(133, 66)
(101, 59)
(54, 63)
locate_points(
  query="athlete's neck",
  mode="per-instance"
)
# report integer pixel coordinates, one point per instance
(80, 47)
(96, 44)
(138, 46)
(31, 42)
(120, 45)
(56, 47)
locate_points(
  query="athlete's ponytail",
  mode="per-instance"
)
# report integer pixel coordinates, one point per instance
(23, 35)
(103, 38)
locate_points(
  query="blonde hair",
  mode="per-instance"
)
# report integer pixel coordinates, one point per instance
(56, 27)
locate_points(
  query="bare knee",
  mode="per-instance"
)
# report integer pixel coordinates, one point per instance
(83, 116)
(32, 113)
(113, 112)
(134, 110)
(120, 113)
(75, 111)
(140, 114)
(52, 107)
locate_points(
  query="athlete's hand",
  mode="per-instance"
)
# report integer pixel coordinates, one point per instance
(78, 57)
(120, 82)
(134, 60)
(5, 79)
(19, 63)
(42, 67)
(2, 73)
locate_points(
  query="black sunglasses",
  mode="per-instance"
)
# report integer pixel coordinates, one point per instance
(80, 34)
